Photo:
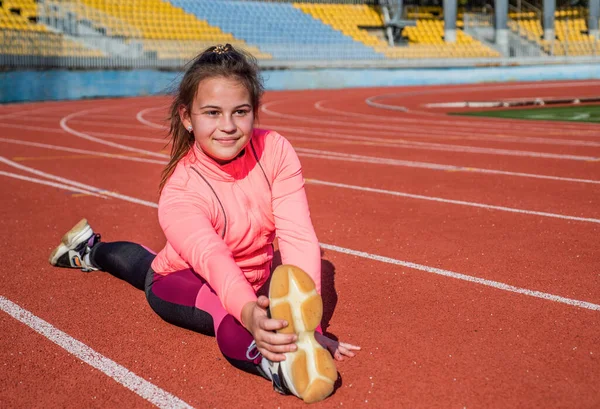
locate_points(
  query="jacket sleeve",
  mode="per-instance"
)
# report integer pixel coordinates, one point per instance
(184, 216)
(296, 235)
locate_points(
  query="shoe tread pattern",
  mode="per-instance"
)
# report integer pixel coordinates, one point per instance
(311, 369)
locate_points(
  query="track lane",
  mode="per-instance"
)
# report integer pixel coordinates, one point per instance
(514, 355)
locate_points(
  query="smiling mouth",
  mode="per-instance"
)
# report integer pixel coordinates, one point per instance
(227, 141)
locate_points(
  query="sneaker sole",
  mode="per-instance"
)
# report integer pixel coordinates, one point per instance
(68, 241)
(310, 371)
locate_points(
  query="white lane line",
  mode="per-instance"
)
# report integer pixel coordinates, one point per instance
(489, 283)
(140, 117)
(107, 123)
(381, 124)
(162, 141)
(316, 181)
(421, 132)
(81, 151)
(104, 134)
(451, 201)
(25, 112)
(63, 125)
(447, 273)
(67, 182)
(122, 375)
(47, 183)
(345, 157)
(402, 144)
(331, 155)
(489, 88)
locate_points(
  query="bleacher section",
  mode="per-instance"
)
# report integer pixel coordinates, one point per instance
(570, 29)
(21, 35)
(430, 34)
(171, 31)
(280, 29)
(426, 40)
(161, 28)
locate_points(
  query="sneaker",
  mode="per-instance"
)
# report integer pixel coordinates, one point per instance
(76, 244)
(309, 372)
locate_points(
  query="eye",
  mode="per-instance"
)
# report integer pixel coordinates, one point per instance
(241, 112)
(211, 113)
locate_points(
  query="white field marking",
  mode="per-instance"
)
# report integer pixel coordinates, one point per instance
(541, 116)
(451, 201)
(70, 182)
(419, 132)
(140, 117)
(63, 125)
(494, 284)
(490, 126)
(447, 273)
(82, 151)
(152, 393)
(583, 115)
(314, 153)
(345, 157)
(398, 143)
(47, 183)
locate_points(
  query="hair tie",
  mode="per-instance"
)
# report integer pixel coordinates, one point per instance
(222, 49)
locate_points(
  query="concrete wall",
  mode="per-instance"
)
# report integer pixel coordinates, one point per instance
(21, 86)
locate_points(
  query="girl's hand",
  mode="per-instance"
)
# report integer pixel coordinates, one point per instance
(339, 350)
(270, 344)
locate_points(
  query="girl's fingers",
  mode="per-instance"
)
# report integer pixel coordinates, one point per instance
(262, 302)
(279, 349)
(279, 339)
(273, 325)
(273, 357)
(350, 346)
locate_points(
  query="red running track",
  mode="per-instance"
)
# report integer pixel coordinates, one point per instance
(461, 253)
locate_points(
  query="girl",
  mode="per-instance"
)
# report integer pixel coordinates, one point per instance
(226, 192)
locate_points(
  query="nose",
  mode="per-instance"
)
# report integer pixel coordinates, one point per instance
(227, 124)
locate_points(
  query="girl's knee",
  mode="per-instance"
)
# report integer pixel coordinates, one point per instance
(234, 341)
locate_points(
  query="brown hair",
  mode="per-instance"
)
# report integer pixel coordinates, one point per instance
(217, 61)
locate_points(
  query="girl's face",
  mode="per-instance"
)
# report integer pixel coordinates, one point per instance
(222, 118)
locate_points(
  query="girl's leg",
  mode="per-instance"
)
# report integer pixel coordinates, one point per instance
(185, 299)
(125, 260)
(181, 298)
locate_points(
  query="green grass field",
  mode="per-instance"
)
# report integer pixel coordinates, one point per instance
(577, 113)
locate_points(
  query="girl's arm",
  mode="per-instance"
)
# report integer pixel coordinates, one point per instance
(296, 236)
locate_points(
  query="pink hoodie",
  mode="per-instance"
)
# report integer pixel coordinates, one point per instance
(221, 220)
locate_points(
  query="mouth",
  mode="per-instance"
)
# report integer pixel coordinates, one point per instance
(227, 141)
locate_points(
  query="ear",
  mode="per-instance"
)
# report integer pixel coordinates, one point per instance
(184, 115)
